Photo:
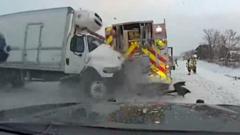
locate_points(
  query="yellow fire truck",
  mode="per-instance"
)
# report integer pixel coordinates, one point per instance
(145, 48)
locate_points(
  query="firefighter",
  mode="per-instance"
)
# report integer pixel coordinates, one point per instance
(188, 65)
(194, 63)
(176, 63)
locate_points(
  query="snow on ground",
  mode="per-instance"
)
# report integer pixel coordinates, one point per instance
(210, 84)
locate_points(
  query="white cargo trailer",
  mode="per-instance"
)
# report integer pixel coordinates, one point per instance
(53, 43)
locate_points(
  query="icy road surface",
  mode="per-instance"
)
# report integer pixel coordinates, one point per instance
(210, 84)
(37, 93)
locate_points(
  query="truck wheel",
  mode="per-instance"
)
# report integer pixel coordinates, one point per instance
(18, 79)
(94, 85)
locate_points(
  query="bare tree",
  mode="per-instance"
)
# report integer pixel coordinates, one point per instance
(220, 47)
(220, 44)
(208, 34)
(211, 37)
(232, 38)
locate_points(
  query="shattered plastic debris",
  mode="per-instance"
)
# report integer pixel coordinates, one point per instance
(138, 114)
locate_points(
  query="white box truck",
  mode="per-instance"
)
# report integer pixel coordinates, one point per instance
(53, 43)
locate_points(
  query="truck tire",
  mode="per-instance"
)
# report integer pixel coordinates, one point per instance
(94, 85)
(17, 80)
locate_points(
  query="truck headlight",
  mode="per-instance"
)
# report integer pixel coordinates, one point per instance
(111, 69)
(158, 29)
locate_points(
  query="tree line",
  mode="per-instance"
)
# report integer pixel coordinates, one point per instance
(217, 46)
(220, 43)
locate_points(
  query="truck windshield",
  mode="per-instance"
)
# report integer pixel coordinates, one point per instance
(93, 43)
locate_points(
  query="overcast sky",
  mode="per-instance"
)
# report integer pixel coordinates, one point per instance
(185, 18)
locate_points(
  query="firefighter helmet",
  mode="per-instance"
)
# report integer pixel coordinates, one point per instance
(195, 56)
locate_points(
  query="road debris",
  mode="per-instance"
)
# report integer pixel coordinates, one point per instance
(139, 114)
(234, 77)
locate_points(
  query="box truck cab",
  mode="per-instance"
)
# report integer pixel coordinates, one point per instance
(52, 44)
(94, 53)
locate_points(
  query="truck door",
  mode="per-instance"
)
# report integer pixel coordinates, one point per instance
(32, 43)
(76, 54)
